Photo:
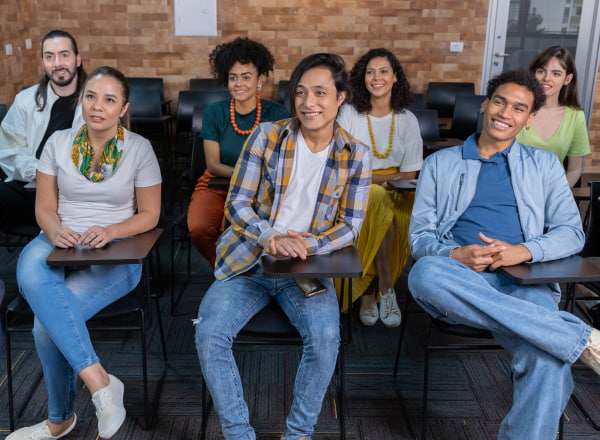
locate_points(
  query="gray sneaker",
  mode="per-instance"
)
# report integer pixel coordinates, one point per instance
(39, 432)
(369, 314)
(109, 407)
(388, 309)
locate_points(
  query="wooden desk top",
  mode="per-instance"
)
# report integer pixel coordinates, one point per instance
(342, 263)
(403, 184)
(566, 270)
(131, 251)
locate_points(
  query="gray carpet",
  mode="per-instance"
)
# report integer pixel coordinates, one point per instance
(470, 392)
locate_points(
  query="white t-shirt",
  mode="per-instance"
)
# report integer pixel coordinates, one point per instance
(407, 146)
(82, 203)
(298, 205)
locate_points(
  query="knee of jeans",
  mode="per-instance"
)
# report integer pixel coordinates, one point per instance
(421, 276)
(325, 338)
(528, 359)
(209, 336)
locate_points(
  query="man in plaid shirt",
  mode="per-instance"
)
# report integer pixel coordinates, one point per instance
(299, 188)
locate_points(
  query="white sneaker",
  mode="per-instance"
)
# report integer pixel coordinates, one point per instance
(39, 432)
(388, 309)
(591, 354)
(369, 314)
(109, 407)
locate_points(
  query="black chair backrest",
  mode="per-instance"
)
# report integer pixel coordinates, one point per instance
(428, 124)
(3, 110)
(418, 102)
(284, 94)
(147, 83)
(145, 103)
(205, 84)
(466, 113)
(592, 224)
(442, 95)
(188, 99)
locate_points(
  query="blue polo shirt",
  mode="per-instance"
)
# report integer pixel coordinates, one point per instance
(493, 209)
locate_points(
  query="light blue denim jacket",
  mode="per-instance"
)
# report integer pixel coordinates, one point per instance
(548, 213)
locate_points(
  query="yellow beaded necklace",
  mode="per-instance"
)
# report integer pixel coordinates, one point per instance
(390, 141)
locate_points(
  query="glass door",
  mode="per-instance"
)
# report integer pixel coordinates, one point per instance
(519, 29)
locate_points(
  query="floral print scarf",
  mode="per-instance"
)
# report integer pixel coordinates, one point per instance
(82, 154)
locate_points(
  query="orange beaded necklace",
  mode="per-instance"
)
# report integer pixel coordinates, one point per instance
(232, 117)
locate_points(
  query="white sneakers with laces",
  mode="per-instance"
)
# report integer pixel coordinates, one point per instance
(109, 407)
(39, 432)
(591, 354)
(369, 313)
(388, 309)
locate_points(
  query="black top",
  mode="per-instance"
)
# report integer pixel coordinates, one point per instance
(61, 118)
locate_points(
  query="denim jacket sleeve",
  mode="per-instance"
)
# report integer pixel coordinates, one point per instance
(548, 213)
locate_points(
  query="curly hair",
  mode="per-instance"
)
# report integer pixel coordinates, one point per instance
(244, 51)
(568, 93)
(523, 78)
(361, 98)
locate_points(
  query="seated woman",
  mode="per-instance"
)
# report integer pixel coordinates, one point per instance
(243, 66)
(378, 117)
(559, 125)
(96, 184)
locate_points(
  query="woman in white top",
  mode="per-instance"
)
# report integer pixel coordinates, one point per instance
(95, 184)
(379, 118)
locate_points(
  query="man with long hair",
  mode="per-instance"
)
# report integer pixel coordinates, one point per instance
(35, 114)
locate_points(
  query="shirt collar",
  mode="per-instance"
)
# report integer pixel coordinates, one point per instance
(470, 150)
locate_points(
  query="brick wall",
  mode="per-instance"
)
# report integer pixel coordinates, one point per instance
(137, 36)
(19, 21)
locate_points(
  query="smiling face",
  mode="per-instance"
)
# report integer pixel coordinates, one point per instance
(243, 82)
(380, 77)
(103, 104)
(59, 61)
(552, 77)
(506, 113)
(317, 102)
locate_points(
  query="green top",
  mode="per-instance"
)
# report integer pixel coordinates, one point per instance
(216, 126)
(571, 139)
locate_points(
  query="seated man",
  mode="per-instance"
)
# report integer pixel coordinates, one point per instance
(36, 113)
(493, 202)
(299, 188)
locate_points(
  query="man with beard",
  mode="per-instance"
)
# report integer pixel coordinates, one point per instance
(35, 114)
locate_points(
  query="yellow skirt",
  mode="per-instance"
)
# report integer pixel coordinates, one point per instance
(383, 208)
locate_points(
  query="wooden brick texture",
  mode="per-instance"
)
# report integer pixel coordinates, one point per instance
(137, 37)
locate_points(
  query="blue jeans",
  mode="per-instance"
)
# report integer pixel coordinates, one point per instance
(543, 342)
(62, 301)
(226, 307)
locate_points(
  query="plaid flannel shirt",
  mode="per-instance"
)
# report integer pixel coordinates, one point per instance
(258, 185)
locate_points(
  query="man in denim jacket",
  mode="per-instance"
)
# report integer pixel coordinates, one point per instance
(493, 202)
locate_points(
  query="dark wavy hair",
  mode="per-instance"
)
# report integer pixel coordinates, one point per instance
(523, 78)
(568, 93)
(244, 51)
(334, 63)
(361, 98)
(41, 95)
(118, 76)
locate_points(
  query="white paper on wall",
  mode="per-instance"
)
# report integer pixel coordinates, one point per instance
(195, 18)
